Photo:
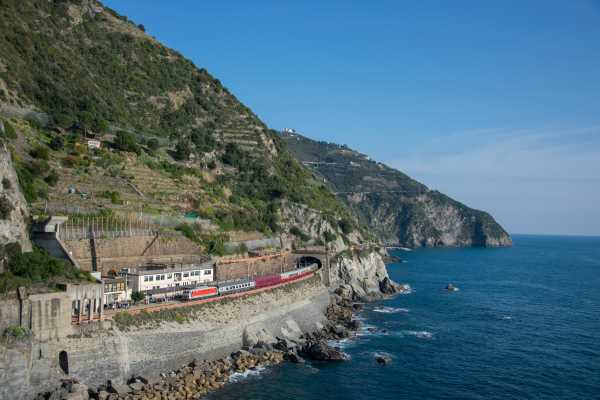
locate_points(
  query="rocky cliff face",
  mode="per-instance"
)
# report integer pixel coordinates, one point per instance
(358, 275)
(430, 219)
(396, 208)
(363, 277)
(13, 208)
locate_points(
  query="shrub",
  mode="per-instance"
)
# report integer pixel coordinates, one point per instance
(9, 130)
(40, 152)
(16, 332)
(52, 178)
(183, 149)
(138, 296)
(5, 207)
(6, 183)
(294, 230)
(187, 231)
(57, 143)
(346, 226)
(35, 267)
(126, 141)
(329, 236)
(153, 144)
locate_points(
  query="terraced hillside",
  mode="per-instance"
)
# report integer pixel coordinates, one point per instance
(397, 208)
(75, 76)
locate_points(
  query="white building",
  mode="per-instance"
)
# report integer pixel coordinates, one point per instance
(93, 144)
(161, 280)
(115, 291)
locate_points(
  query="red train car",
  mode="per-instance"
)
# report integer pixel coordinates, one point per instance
(267, 280)
(200, 293)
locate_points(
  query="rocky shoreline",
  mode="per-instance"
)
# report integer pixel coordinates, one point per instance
(196, 379)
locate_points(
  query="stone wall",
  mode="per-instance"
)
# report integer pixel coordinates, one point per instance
(117, 355)
(46, 315)
(132, 251)
(252, 268)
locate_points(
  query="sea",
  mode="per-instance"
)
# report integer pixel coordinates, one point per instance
(524, 324)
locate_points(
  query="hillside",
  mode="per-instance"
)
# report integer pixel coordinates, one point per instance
(103, 120)
(398, 209)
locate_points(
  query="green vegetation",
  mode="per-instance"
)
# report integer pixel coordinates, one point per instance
(35, 268)
(136, 297)
(329, 236)
(127, 141)
(9, 130)
(15, 332)
(5, 207)
(294, 230)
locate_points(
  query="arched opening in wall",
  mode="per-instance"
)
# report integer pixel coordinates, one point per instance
(305, 261)
(63, 361)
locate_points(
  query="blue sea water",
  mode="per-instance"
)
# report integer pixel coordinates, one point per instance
(524, 325)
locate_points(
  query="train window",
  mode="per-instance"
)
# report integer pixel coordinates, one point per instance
(146, 278)
(208, 272)
(169, 276)
(186, 274)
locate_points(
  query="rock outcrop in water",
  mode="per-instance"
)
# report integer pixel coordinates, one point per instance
(363, 276)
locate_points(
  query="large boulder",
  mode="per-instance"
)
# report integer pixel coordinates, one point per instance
(321, 351)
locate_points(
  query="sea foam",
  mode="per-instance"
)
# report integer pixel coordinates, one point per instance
(391, 310)
(419, 334)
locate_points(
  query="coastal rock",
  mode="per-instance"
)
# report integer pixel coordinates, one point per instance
(383, 359)
(360, 276)
(119, 389)
(321, 351)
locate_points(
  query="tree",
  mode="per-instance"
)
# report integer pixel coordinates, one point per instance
(57, 143)
(183, 149)
(329, 236)
(5, 207)
(136, 297)
(346, 226)
(52, 178)
(153, 144)
(9, 130)
(126, 141)
(203, 140)
(40, 152)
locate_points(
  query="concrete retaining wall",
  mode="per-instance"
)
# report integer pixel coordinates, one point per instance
(126, 252)
(258, 267)
(47, 315)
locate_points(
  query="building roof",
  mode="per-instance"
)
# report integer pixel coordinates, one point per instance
(150, 269)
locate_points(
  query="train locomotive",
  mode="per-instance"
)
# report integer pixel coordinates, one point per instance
(244, 285)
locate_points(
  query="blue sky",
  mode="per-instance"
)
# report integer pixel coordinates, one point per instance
(496, 104)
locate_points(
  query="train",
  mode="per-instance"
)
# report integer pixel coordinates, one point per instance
(244, 285)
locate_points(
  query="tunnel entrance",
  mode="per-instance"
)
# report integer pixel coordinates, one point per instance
(305, 261)
(63, 362)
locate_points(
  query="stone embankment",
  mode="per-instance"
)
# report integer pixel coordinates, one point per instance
(196, 379)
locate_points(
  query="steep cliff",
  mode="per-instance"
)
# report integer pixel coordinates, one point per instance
(13, 208)
(398, 209)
